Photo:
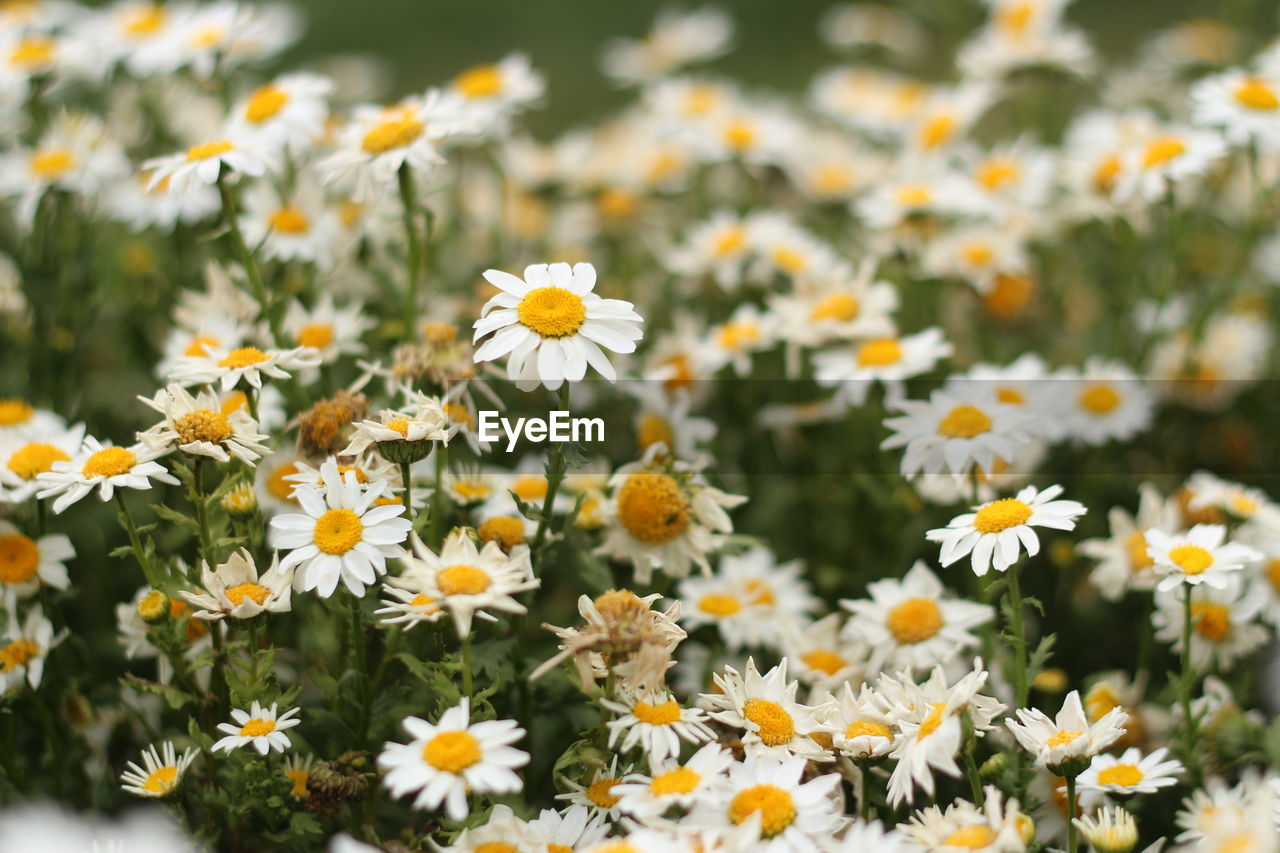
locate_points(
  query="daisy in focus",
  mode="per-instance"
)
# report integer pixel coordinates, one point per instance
(161, 774)
(994, 535)
(1066, 744)
(262, 728)
(1200, 555)
(1130, 773)
(105, 468)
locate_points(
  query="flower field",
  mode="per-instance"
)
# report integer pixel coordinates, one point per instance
(879, 466)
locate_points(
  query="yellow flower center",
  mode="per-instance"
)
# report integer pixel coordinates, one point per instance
(299, 779)
(552, 312)
(971, 837)
(153, 605)
(823, 661)
(391, 134)
(654, 429)
(964, 421)
(601, 793)
(199, 346)
(1124, 775)
(290, 220)
(161, 780)
(265, 103)
(1136, 546)
(317, 335)
(840, 307)
(35, 458)
(52, 164)
(14, 412)
(937, 131)
(338, 531)
(1106, 173)
(735, 336)
(1011, 396)
(495, 847)
(730, 242)
(867, 728)
(740, 135)
(255, 591)
(19, 558)
(1062, 737)
(776, 808)
(915, 620)
(203, 425)
(719, 604)
(776, 725)
(997, 174)
(831, 179)
(663, 714)
(471, 490)
(977, 254)
(506, 530)
(1001, 515)
(930, 723)
(1272, 574)
(1161, 151)
(1254, 94)
(452, 751)
(17, 654)
(530, 487)
(1099, 399)
(33, 52)
(483, 81)
(1212, 621)
(652, 508)
(1192, 559)
(208, 150)
(879, 353)
(145, 21)
(463, 580)
(243, 357)
(109, 462)
(278, 486)
(916, 195)
(788, 260)
(681, 780)
(423, 601)
(257, 727)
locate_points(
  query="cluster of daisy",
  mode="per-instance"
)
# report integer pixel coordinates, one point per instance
(330, 582)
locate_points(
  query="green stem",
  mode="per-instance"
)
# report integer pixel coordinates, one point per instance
(360, 663)
(1071, 814)
(439, 498)
(554, 477)
(466, 665)
(1020, 640)
(1188, 679)
(135, 540)
(413, 251)
(200, 502)
(407, 483)
(246, 259)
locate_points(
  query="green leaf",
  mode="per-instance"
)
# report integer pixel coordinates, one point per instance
(175, 696)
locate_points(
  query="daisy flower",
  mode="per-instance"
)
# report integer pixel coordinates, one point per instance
(403, 436)
(294, 226)
(26, 564)
(1170, 156)
(552, 326)
(289, 112)
(1200, 555)
(76, 155)
(331, 330)
(1123, 560)
(746, 332)
(204, 163)
(342, 533)
(995, 827)
(995, 532)
(502, 830)
(955, 430)
(235, 589)
(780, 812)
(1111, 830)
(716, 248)
(263, 728)
(227, 368)
(1224, 622)
(656, 726)
(297, 769)
(448, 760)
(466, 580)
(888, 360)
(494, 92)
(1067, 743)
(25, 647)
(1130, 773)
(664, 516)
(19, 421)
(408, 604)
(913, 623)
(103, 467)
(672, 783)
(598, 793)
(747, 597)
(161, 774)
(198, 426)
(677, 38)
(1107, 402)
(864, 730)
(820, 655)
(764, 707)
(572, 829)
(837, 308)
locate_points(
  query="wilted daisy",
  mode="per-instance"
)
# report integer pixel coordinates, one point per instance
(655, 723)
(778, 811)
(764, 708)
(162, 773)
(198, 426)
(1200, 555)
(448, 760)
(227, 368)
(235, 589)
(102, 467)
(263, 728)
(913, 623)
(998, 531)
(466, 580)
(552, 326)
(27, 563)
(1130, 773)
(672, 783)
(342, 533)
(1066, 744)
(403, 435)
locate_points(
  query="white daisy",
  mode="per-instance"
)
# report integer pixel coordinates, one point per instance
(204, 163)
(656, 724)
(102, 467)
(294, 226)
(1224, 622)
(995, 532)
(235, 589)
(864, 730)
(227, 367)
(954, 431)
(26, 645)
(23, 460)
(1123, 561)
(1066, 744)
(1107, 402)
(27, 563)
(331, 330)
(198, 426)
(341, 533)
(994, 827)
(289, 112)
(552, 326)
(672, 783)
(1130, 773)
(162, 773)
(263, 728)
(1200, 555)
(764, 708)
(888, 360)
(450, 759)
